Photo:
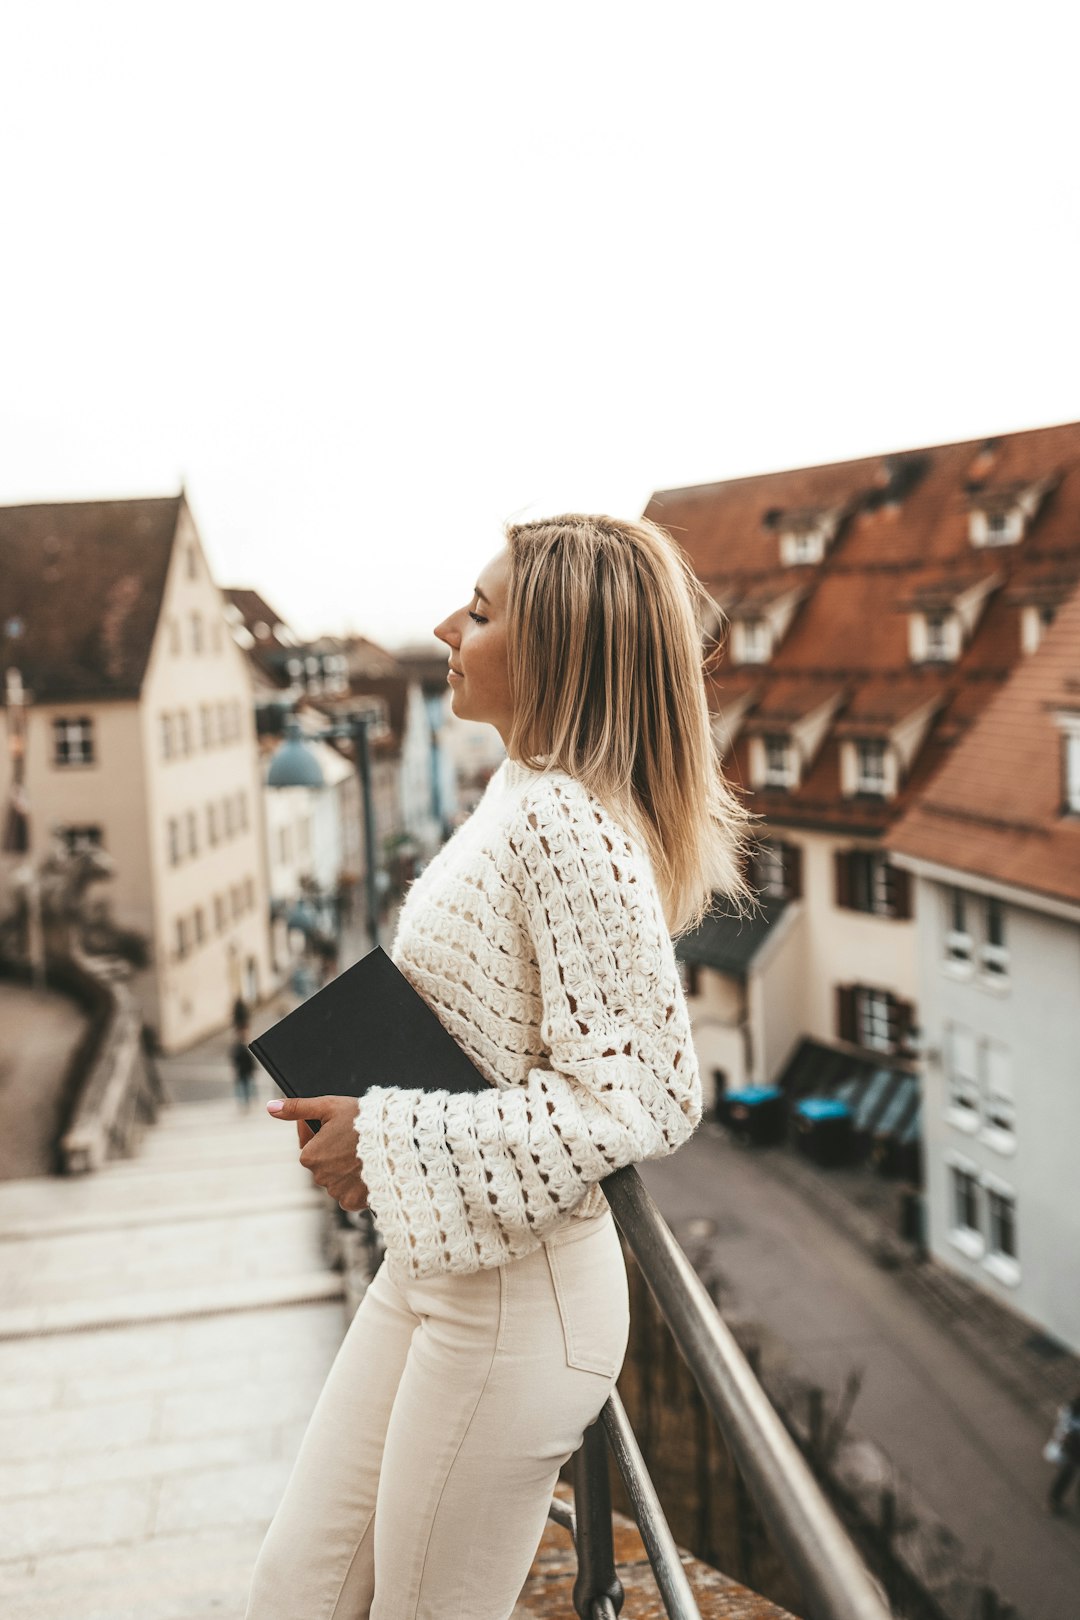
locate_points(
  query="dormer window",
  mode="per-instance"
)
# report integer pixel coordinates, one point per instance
(751, 642)
(1070, 770)
(1001, 516)
(1003, 528)
(779, 762)
(1035, 620)
(870, 766)
(938, 639)
(805, 547)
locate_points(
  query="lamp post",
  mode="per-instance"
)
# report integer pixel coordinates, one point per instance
(294, 764)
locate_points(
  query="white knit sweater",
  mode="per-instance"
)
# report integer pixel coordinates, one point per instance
(537, 936)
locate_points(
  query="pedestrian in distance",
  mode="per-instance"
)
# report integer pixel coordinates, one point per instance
(1063, 1448)
(542, 935)
(243, 1067)
(241, 1015)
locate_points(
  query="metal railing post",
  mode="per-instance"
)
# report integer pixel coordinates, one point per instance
(598, 1591)
(807, 1532)
(679, 1600)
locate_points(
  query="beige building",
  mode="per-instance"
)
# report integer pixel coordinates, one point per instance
(140, 739)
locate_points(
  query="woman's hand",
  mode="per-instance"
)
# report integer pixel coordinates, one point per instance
(330, 1152)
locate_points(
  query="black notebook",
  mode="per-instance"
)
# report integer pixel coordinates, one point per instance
(367, 1027)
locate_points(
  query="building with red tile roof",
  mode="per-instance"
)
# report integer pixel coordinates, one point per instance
(865, 613)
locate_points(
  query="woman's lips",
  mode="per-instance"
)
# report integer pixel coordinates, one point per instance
(455, 675)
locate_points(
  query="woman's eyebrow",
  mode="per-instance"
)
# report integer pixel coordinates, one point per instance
(478, 592)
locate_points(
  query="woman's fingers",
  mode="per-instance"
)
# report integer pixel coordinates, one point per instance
(304, 1132)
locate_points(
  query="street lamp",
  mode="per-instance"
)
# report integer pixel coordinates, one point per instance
(295, 764)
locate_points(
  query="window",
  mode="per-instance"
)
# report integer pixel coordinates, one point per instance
(996, 528)
(200, 925)
(173, 837)
(958, 941)
(183, 937)
(867, 881)
(962, 1075)
(168, 746)
(241, 812)
(236, 900)
(776, 870)
(206, 725)
(937, 636)
(212, 828)
(875, 1021)
(77, 839)
(223, 722)
(1072, 773)
(73, 741)
(755, 641)
(965, 1200)
(1000, 1106)
(1001, 1209)
(229, 823)
(249, 893)
(174, 636)
(183, 730)
(778, 762)
(219, 914)
(192, 833)
(870, 766)
(197, 641)
(995, 955)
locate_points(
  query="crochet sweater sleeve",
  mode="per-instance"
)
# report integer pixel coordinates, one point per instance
(463, 1181)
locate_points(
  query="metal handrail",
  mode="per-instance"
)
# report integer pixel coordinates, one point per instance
(804, 1527)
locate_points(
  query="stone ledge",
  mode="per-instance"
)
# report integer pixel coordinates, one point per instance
(548, 1591)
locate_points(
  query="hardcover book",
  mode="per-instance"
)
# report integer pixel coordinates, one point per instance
(367, 1027)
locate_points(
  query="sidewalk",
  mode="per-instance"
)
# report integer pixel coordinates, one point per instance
(1039, 1374)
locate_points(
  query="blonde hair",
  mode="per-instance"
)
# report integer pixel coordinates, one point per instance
(606, 673)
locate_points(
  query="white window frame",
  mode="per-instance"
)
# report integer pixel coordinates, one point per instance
(994, 954)
(780, 775)
(964, 1109)
(959, 944)
(938, 641)
(1071, 770)
(875, 778)
(754, 640)
(999, 1262)
(984, 529)
(999, 1109)
(872, 1019)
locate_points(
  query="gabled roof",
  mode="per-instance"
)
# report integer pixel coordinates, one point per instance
(85, 580)
(880, 705)
(994, 808)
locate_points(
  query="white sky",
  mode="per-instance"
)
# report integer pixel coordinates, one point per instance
(372, 278)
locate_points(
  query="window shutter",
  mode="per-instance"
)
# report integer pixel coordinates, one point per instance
(845, 1013)
(901, 1021)
(793, 871)
(901, 888)
(842, 867)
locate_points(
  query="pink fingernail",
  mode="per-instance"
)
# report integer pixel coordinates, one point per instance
(274, 1107)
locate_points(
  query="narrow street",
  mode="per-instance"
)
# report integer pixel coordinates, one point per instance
(971, 1453)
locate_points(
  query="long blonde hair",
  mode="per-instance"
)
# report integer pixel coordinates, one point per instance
(606, 674)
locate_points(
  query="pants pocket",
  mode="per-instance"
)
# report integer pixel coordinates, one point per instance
(589, 1280)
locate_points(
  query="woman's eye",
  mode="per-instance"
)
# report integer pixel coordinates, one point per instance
(477, 617)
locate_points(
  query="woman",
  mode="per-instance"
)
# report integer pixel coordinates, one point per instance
(541, 933)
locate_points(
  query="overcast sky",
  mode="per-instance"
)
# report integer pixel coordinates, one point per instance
(371, 279)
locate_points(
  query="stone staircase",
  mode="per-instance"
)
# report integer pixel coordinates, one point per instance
(165, 1327)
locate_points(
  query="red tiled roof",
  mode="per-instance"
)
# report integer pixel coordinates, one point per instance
(903, 536)
(85, 580)
(994, 808)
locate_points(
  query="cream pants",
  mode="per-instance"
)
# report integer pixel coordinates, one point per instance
(423, 1481)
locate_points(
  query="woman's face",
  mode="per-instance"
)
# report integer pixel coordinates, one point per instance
(476, 636)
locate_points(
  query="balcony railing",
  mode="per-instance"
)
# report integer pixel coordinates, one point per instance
(804, 1528)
